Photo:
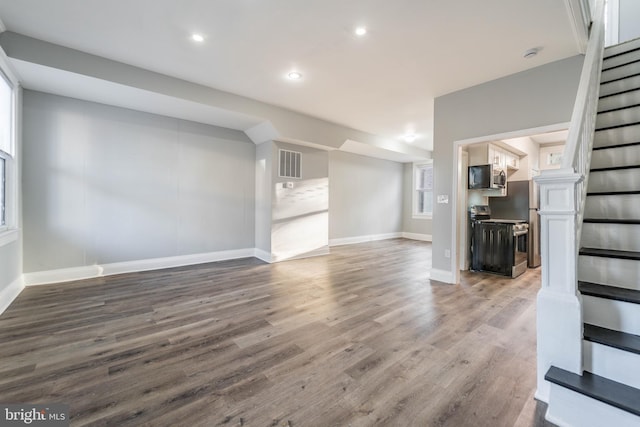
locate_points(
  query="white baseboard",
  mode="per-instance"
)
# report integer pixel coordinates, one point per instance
(10, 293)
(62, 275)
(316, 252)
(417, 236)
(91, 271)
(442, 276)
(363, 239)
(262, 255)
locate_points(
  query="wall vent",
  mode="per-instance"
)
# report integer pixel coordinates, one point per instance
(290, 164)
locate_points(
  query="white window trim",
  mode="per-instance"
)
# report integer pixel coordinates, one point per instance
(10, 232)
(414, 192)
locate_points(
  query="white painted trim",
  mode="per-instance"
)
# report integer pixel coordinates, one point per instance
(262, 255)
(542, 395)
(316, 252)
(8, 236)
(62, 275)
(442, 276)
(578, 26)
(417, 236)
(91, 271)
(612, 23)
(175, 261)
(457, 145)
(10, 293)
(362, 239)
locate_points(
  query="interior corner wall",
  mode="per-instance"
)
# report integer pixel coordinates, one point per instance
(533, 98)
(629, 15)
(10, 265)
(104, 184)
(409, 223)
(365, 196)
(300, 206)
(263, 197)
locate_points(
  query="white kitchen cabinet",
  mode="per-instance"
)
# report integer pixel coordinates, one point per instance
(482, 154)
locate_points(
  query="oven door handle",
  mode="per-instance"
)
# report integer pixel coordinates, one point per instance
(520, 233)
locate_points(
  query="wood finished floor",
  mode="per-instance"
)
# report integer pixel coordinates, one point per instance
(357, 338)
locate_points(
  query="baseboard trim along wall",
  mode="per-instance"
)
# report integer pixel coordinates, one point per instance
(316, 252)
(363, 239)
(263, 255)
(375, 237)
(442, 276)
(10, 293)
(91, 271)
(417, 236)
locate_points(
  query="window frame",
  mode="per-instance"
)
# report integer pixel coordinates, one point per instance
(9, 231)
(415, 190)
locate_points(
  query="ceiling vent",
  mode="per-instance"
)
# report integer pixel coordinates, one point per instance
(290, 164)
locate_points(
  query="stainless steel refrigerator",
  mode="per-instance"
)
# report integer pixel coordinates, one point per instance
(521, 202)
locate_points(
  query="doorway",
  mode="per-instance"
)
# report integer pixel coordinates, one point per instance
(523, 142)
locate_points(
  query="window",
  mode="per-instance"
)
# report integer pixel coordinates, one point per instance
(3, 190)
(8, 173)
(423, 190)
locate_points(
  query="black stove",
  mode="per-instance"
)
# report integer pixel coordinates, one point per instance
(497, 245)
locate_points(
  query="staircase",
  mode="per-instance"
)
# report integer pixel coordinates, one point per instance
(608, 391)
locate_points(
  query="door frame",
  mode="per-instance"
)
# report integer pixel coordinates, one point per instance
(457, 149)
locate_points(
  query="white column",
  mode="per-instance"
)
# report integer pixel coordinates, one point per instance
(559, 304)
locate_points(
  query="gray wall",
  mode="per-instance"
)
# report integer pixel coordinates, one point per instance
(9, 264)
(537, 97)
(104, 184)
(410, 224)
(629, 27)
(365, 196)
(264, 162)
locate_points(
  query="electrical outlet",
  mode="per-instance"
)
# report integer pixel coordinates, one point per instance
(447, 253)
(443, 198)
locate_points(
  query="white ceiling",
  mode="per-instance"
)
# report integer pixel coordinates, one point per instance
(383, 83)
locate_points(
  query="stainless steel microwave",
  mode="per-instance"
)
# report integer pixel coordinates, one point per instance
(486, 177)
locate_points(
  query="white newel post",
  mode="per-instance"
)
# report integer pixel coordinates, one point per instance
(559, 312)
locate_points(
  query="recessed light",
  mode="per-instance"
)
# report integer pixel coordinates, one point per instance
(197, 38)
(410, 137)
(360, 31)
(294, 75)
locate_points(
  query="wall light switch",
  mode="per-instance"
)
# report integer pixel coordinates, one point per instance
(443, 198)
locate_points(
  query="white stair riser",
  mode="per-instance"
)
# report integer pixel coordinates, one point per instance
(620, 72)
(568, 408)
(615, 180)
(620, 86)
(621, 156)
(612, 207)
(611, 314)
(618, 117)
(622, 47)
(621, 237)
(623, 273)
(624, 135)
(624, 58)
(612, 363)
(622, 100)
